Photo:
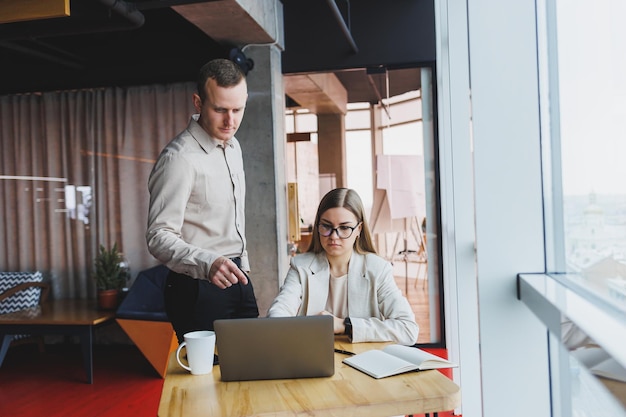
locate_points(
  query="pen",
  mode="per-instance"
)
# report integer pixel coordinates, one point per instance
(345, 352)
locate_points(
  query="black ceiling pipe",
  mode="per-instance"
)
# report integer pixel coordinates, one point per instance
(77, 25)
(128, 10)
(46, 55)
(28, 31)
(342, 24)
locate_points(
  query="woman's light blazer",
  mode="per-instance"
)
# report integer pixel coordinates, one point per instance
(376, 307)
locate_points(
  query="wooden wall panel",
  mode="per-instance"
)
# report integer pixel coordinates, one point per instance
(22, 10)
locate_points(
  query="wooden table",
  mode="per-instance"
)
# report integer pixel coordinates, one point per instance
(67, 317)
(347, 393)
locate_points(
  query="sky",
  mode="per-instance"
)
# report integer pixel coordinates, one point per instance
(592, 99)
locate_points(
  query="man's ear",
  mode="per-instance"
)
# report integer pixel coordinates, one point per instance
(197, 102)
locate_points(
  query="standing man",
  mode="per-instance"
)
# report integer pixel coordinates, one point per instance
(196, 224)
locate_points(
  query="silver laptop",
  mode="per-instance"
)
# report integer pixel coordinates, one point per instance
(275, 347)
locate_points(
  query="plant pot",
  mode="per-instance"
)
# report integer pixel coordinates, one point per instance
(108, 299)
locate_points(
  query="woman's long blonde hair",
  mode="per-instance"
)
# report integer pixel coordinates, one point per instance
(350, 200)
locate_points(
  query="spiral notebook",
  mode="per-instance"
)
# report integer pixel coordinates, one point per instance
(275, 348)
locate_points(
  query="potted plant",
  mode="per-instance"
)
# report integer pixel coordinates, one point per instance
(110, 275)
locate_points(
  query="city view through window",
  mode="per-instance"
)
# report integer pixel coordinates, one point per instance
(592, 111)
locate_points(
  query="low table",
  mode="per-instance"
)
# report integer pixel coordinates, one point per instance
(347, 393)
(66, 317)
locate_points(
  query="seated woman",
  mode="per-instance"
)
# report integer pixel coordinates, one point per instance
(341, 275)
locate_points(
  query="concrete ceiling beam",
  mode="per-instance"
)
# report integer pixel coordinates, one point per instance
(320, 93)
(237, 22)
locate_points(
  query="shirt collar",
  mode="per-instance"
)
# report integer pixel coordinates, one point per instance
(205, 140)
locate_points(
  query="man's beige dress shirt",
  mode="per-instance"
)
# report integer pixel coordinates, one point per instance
(197, 194)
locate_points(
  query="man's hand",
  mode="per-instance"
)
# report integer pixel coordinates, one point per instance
(224, 273)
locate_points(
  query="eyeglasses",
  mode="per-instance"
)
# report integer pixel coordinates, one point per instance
(343, 232)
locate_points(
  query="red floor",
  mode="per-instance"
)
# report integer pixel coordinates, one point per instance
(53, 384)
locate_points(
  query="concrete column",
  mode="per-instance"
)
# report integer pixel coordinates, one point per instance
(331, 130)
(262, 136)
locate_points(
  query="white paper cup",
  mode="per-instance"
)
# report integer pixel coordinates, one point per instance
(200, 347)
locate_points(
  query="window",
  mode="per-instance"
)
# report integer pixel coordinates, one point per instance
(583, 100)
(411, 244)
(592, 109)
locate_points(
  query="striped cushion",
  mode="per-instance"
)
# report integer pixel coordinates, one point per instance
(23, 299)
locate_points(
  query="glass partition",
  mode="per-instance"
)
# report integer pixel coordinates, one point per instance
(390, 162)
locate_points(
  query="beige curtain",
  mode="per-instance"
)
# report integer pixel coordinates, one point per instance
(73, 175)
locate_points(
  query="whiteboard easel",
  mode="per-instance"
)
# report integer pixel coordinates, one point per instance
(399, 205)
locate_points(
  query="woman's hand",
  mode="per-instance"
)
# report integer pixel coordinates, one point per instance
(338, 326)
